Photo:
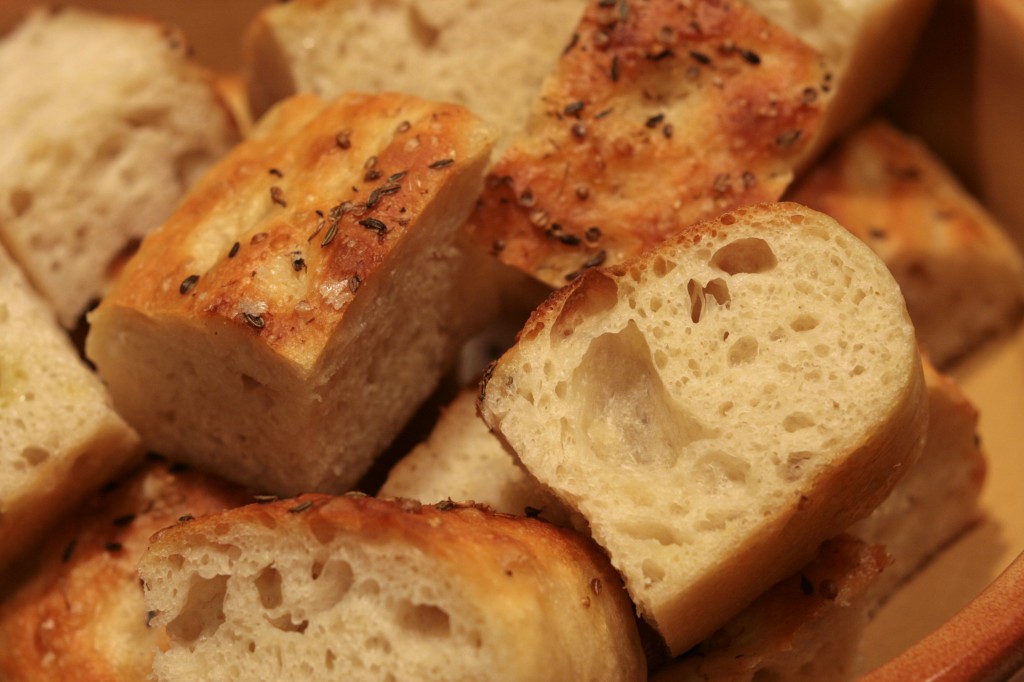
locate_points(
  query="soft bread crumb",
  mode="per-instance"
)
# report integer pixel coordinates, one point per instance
(718, 406)
(107, 123)
(370, 589)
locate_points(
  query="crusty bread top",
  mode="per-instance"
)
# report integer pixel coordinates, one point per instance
(386, 589)
(658, 114)
(278, 237)
(80, 615)
(717, 407)
(961, 275)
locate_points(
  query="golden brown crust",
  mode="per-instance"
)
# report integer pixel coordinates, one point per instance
(961, 276)
(317, 198)
(795, 622)
(80, 615)
(538, 597)
(658, 114)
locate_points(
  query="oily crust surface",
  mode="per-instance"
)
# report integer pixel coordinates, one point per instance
(80, 615)
(311, 235)
(532, 601)
(658, 114)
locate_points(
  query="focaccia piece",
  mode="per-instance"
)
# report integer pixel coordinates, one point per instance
(490, 56)
(718, 407)
(306, 297)
(462, 460)
(61, 438)
(961, 274)
(106, 123)
(657, 115)
(806, 627)
(359, 588)
(80, 615)
(867, 44)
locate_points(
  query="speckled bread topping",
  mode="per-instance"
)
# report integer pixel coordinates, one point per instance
(305, 297)
(658, 114)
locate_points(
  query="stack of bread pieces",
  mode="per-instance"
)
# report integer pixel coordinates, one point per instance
(614, 353)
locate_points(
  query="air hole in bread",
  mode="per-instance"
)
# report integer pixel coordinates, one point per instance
(20, 200)
(717, 519)
(146, 117)
(268, 586)
(663, 534)
(284, 623)
(653, 573)
(797, 421)
(743, 351)
(717, 471)
(421, 30)
(749, 255)
(329, 658)
(189, 166)
(35, 455)
(203, 611)
(424, 619)
(716, 289)
(792, 469)
(628, 414)
(333, 582)
(803, 323)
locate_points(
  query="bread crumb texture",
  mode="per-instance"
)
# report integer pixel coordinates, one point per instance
(59, 432)
(364, 589)
(711, 398)
(99, 149)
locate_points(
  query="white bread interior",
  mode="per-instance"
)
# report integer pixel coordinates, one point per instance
(717, 407)
(490, 56)
(61, 437)
(106, 123)
(366, 589)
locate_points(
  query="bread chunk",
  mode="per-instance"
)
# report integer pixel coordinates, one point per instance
(462, 460)
(358, 588)
(489, 57)
(961, 274)
(717, 407)
(866, 43)
(805, 627)
(61, 437)
(657, 115)
(106, 123)
(80, 615)
(306, 297)
(939, 497)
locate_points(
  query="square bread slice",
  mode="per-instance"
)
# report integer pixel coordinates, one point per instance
(306, 297)
(106, 123)
(717, 407)
(80, 614)
(961, 274)
(60, 436)
(488, 56)
(363, 589)
(657, 115)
